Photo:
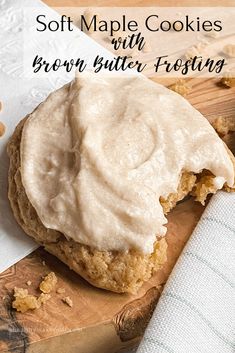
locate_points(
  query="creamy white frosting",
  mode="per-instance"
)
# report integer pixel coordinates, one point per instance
(97, 155)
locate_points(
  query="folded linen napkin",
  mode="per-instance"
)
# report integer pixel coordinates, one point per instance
(196, 311)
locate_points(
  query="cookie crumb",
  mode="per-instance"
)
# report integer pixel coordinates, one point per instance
(212, 34)
(4, 297)
(43, 263)
(28, 283)
(180, 87)
(2, 129)
(196, 50)
(229, 50)
(60, 290)
(68, 301)
(224, 125)
(24, 301)
(48, 283)
(228, 79)
(43, 298)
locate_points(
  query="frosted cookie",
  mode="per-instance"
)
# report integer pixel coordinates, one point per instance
(95, 168)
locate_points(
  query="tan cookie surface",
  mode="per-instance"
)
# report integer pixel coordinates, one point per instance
(112, 270)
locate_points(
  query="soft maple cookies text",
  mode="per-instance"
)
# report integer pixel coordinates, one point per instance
(153, 23)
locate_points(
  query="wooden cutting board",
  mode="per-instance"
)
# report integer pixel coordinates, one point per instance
(99, 321)
(139, 3)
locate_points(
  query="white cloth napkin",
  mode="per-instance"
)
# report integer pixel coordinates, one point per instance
(196, 311)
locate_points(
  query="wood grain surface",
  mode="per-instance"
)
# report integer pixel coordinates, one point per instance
(101, 321)
(140, 3)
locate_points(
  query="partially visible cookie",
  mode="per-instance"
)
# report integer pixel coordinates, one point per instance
(112, 270)
(116, 271)
(98, 160)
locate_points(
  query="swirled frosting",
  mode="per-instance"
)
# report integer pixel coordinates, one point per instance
(98, 153)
